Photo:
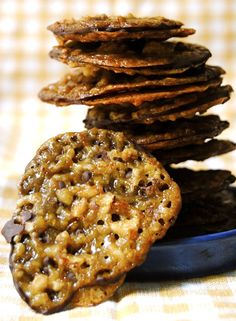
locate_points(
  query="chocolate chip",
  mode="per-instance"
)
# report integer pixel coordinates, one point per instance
(128, 173)
(49, 261)
(161, 221)
(163, 187)
(109, 187)
(115, 217)
(26, 216)
(74, 138)
(96, 142)
(141, 183)
(53, 295)
(106, 188)
(45, 270)
(61, 185)
(70, 276)
(44, 237)
(11, 229)
(103, 155)
(118, 159)
(25, 238)
(86, 176)
(78, 149)
(75, 225)
(72, 250)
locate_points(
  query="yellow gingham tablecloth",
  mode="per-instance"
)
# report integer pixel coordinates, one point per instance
(25, 123)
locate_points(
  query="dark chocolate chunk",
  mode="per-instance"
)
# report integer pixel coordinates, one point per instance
(86, 176)
(61, 185)
(11, 229)
(26, 216)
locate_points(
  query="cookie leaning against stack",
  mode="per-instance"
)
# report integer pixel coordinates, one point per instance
(91, 205)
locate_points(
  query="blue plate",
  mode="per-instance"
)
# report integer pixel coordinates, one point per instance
(189, 257)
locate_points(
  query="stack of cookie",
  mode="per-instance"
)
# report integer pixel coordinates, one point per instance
(152, 89)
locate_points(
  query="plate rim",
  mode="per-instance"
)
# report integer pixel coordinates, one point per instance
(198, 238)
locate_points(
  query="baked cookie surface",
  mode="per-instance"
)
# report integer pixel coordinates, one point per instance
(91, 205)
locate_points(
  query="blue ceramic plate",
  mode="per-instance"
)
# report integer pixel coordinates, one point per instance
(189, 257)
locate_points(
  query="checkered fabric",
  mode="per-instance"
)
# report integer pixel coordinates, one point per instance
(25, 123)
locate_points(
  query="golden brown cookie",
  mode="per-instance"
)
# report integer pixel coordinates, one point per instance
(131, 56)
(152, 71)
(137, 98)
(183, 106)
(91, 84)
(91, 205)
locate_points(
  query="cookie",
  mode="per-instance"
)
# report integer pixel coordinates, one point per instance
(105, 36)
(133, 54)
(104, 28)
(180, 129)
(212, 214)
(194, 131)
(183, 106)
(134, 98)
(199, 152)
(112, 23)
(137, 98)
(169, 135)
(91, 205)
(222, 95)
(90, 83)
(198, 184)
(153, 71)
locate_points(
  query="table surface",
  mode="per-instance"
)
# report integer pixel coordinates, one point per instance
(25, 123)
